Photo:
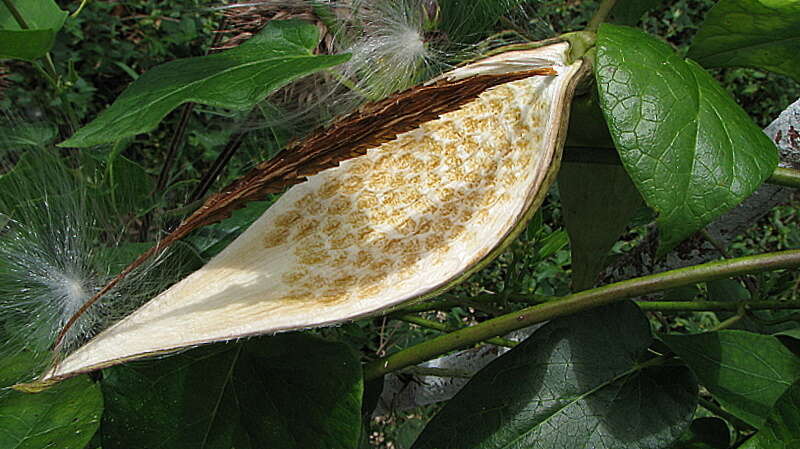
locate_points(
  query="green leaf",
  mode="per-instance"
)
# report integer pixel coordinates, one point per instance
(745, 372)
(38, 15)
(43, 17)
(727, 290)
(790, 338)
(692, 152)
(790, 333)
(27, 44)
(598, 202)
(575, 383)
(752, 33)
(236, 79)
(593, 190)
(551, 244)
(25, 135)
(782, 429)
(289, 391)
(587, 126)
(65, 416)
(684, 293)
(628, 12)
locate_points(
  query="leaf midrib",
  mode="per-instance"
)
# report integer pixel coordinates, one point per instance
(221, 395)
(575, 400)
(173, 92)
(739, 370)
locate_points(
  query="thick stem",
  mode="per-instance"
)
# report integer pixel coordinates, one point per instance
(786, 177)
(578, 302)
(600, 15)
(435, 325)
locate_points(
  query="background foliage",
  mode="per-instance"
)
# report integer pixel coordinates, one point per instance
(254, 394)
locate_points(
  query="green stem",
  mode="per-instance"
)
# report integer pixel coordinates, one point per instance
(711, 306)
(485, 302)
(786, 177)
(17, 16)
(435, 325)
(600, 15)
(730, 321)
(579, 302)
(427, 306)
(78, 11)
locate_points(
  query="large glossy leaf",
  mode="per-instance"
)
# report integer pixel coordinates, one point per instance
(289, 391)
(692, 152)
(65, 416)
(235, 79)
(43, 19)
(597, 201)
(745, 372)
(782, 429)
(753, 33)
(575, 383)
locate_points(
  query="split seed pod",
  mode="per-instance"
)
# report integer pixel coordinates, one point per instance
(406, 220)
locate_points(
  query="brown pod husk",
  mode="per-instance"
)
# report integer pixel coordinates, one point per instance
(415, 214)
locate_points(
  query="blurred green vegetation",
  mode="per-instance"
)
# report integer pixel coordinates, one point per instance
(111, 43)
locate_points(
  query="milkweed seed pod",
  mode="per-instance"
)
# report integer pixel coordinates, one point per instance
(411, 217)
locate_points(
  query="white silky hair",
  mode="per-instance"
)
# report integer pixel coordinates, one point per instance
(58, 240)
(389, 50)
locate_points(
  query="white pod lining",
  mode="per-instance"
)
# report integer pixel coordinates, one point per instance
(407, 219)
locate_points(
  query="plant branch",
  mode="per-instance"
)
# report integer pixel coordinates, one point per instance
(172, 150)
(600, 15)
(785, 177)
(435, 325)
(233, 145)
(579, 302)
